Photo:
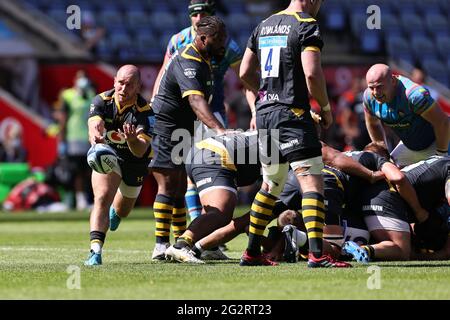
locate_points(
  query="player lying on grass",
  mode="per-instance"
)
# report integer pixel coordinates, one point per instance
(388, 216)
(341, 190)
(217, 178)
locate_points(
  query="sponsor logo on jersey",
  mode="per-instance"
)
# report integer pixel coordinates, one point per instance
(190, 73)
(289, 144)
(203, 182)
(277, 41)
(373, 207)
(116, 137)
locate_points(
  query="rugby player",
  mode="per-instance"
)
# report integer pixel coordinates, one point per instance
(409, 110)
(285, 48)
(185, 89)
(388, 216)
(231, 59)
(123, 119)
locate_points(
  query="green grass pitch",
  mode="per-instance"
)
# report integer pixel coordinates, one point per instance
(41, 256)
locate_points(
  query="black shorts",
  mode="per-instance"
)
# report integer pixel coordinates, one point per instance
(296, 137)
(162, 153)
(206, 176)
(334, 203)
(387, 204)
(133, 173)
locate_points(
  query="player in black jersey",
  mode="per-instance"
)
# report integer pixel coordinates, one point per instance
(217, 178)
(388, 216)
(183, 96)
(123, 119)
(285, 48)
(218, 166)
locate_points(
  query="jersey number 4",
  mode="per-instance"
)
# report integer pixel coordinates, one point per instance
(270, 56)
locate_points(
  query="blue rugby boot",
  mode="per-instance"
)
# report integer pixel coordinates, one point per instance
(114, 219)
(359, 254)
(94, 259)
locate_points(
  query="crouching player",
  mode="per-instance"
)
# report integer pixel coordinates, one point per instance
(121, 118)
(218, 166)
(388, 216)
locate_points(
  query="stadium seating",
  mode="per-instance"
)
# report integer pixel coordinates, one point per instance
(411, 30)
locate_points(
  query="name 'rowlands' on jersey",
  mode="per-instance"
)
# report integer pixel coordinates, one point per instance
(278, 41)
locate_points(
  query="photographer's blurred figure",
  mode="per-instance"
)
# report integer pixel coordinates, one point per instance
(71, 113)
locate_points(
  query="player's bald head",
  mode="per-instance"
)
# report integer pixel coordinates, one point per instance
(378, 73)
(129, 71)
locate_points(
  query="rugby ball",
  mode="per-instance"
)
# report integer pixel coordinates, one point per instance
(102, 158)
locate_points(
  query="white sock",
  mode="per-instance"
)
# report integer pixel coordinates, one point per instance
(199, 246)
(96, 246)
(161, 246)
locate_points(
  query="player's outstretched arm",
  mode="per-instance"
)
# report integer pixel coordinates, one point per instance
(405, 189)
(204, 114)
(441, 126)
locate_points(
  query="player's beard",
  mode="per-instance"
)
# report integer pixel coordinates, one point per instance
(217, 54)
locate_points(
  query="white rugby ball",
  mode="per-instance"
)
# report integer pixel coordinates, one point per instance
(102, 158)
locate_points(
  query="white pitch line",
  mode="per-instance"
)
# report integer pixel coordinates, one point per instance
(67, 249)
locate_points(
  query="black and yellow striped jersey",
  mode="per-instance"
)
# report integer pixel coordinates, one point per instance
(115, 116)
(186, 73)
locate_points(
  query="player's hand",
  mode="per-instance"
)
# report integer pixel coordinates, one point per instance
(221, 131)
(98, 139)
(253, 123)
(130, 132)
(376, 176)
(422, 215)
(327, 119)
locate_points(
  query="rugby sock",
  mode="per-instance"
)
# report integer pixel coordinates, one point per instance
(183, 242)
(178, 218)
(260, 216)
(162, 208)
(193, 203)
(97, 240)
(313, 212)
(370, 251)
(198, 249)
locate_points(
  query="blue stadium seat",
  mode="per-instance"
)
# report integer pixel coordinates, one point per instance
(437, 24)
(235, 6)
(161, 6)
(137, 19)
(399, 49)
(243, 27)
(436, 70)
(164, 21)
(443, 46)
(371, 41)
(110, 17)
(120, 40)
(404, 6)
(58, 15)
(423, 48)
(358, 24)
(390, 25)
(412, 24)
(429, 6)
(335, 18)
